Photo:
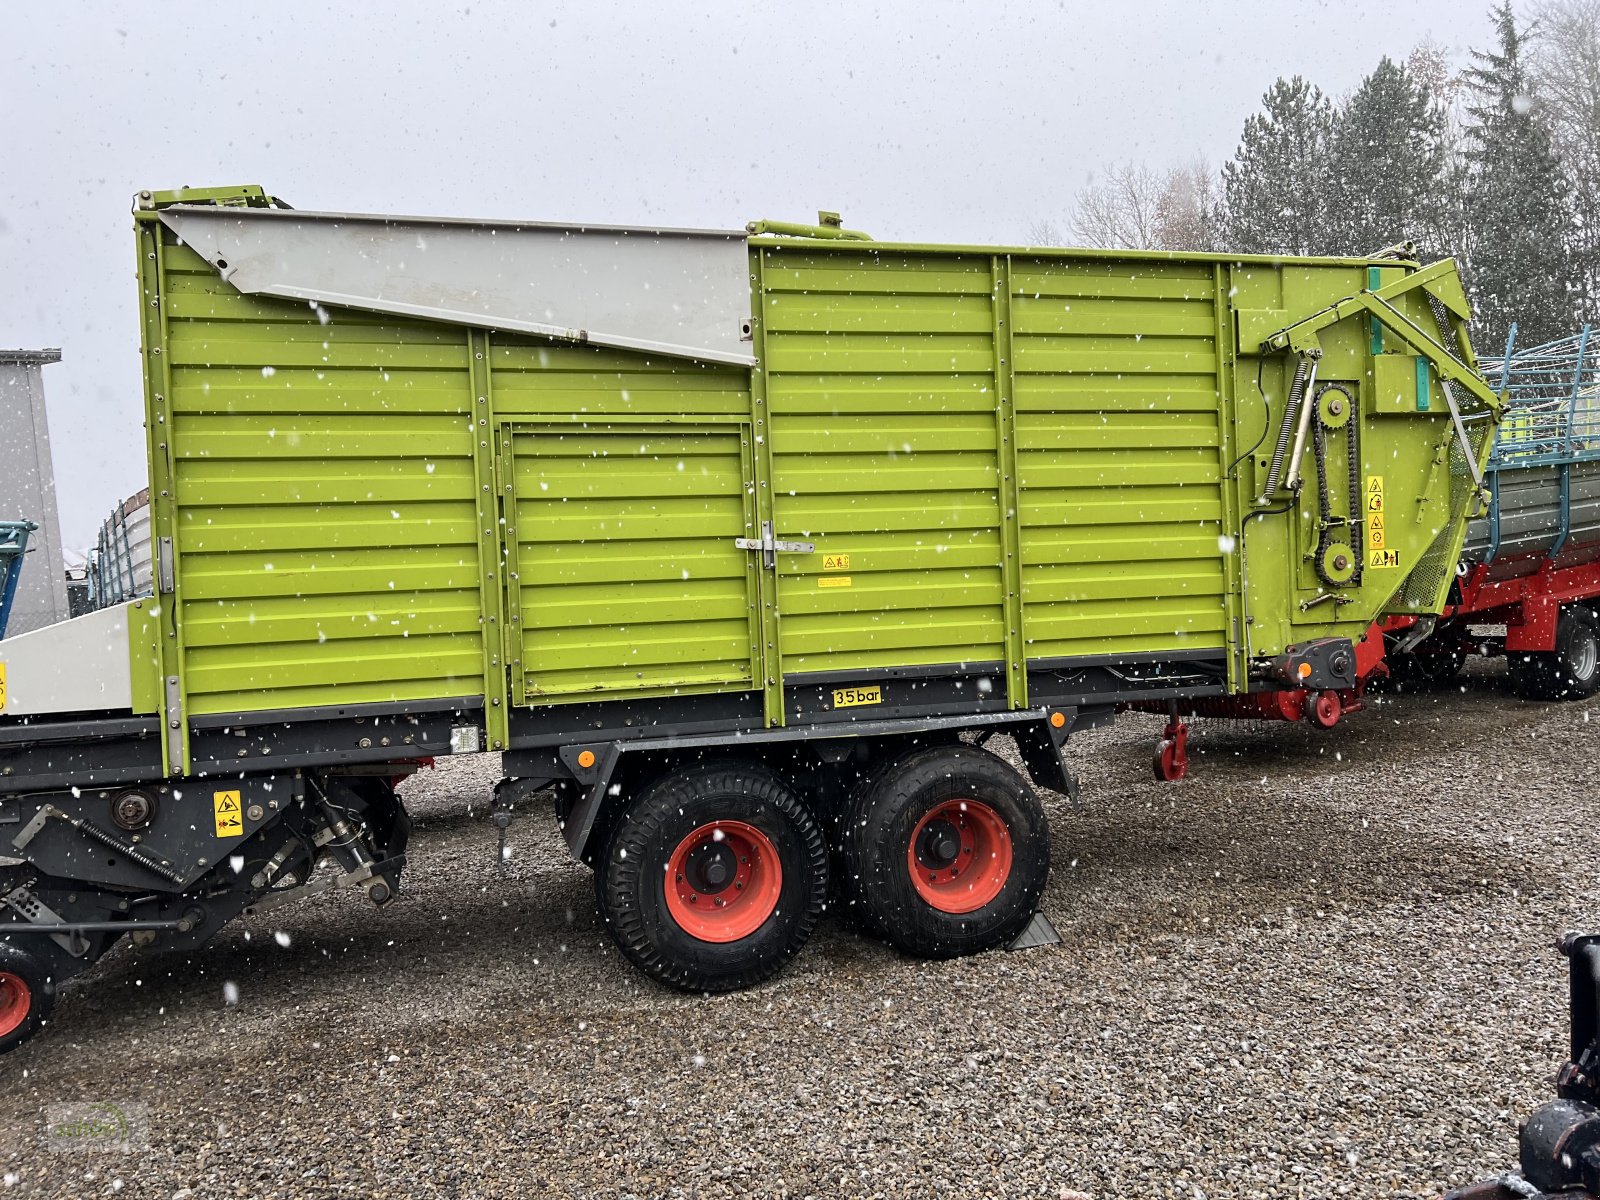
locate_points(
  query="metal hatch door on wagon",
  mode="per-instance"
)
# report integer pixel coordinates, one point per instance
(623, 565)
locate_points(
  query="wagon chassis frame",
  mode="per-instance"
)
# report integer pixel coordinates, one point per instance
(112, 751)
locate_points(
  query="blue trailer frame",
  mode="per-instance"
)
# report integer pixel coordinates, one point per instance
(1551, 416)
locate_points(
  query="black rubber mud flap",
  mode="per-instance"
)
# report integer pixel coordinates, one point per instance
(1043, 746)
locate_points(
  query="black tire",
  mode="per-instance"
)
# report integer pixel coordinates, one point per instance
(24, 981)
(1529, 675)
(1569, 672)
(632, 880)
(853, 914)
(878, 844)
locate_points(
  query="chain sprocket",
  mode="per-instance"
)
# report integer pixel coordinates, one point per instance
(1331, 546)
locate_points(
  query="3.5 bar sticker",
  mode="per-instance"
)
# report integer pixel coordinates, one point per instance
(851, 697)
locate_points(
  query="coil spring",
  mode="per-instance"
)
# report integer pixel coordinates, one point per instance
(1291, 410)
(131, 853)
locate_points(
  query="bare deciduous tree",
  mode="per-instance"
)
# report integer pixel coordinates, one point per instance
(1134, 207)
(1187, 212)
(1119, 209)
(1046, 232)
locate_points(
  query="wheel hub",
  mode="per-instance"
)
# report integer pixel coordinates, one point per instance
(711, 868)
(960, 855)
(1584, 658)
(939, 845)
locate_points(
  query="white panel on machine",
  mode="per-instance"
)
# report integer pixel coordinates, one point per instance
(28, 488)
(81, 665)
(678, 292)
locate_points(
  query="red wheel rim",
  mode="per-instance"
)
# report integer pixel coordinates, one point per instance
(1326, 709)
(16, 999)
(723, 881)
(960, 855)
(1171, 761)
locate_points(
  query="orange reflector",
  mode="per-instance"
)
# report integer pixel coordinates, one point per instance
(1305, 670)
(1057, 720)
(586, 759)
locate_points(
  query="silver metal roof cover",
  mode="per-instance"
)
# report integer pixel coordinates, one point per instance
(678, 292)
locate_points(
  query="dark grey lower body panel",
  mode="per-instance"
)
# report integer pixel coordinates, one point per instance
(105, 751)
(90, 751)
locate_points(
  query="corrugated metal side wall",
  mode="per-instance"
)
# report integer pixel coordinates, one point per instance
(629, 483)
(1118, 441)
(886, 417)
(881, 387)
(326, 513)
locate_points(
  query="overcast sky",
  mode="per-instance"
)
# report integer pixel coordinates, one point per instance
(920, 120)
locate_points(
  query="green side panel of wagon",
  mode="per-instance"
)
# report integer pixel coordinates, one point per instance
(881, 388)
(321, 521)
(1121, 428)
(625, 482)
(762, 460)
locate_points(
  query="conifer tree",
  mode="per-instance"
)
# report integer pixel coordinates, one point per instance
(1519, 201)
(1388, 161)
(1275, 189)
(1565, 69)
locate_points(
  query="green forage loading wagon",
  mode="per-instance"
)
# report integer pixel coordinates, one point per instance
(739, 544)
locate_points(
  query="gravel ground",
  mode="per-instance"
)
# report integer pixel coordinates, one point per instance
(1320, 966)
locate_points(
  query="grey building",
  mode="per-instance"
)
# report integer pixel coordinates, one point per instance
(28, 488)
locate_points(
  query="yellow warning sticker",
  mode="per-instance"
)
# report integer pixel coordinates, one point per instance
(230, 817)
(2, 686)
(835, 562)
(853, 696)
(833, 581)
(1378, 553)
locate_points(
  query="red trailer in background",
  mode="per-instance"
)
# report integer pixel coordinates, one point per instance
(1528, 583)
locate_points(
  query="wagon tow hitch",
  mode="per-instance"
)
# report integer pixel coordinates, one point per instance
(1559, 1143)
